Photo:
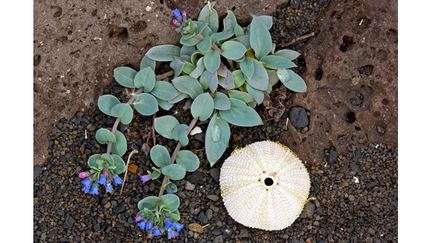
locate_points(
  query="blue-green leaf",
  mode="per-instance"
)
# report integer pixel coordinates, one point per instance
(179, 133)
(146, 104)
(209, 15)
(125, 76)
(160, 156)
(149, 202)
(221, 36)
(216, 139)
(199, 69)
(120, 145)
(292, 80)
(233, 50)
(266, 20)
(105, 136)
(147, 62)
(178, 98)
(92, 160)
(124, 112)
(290, 54)
(188, 85)
(145, 79)
(164, 90)
(221, 101)
(189, 40)
(202, 106)
(155, 173)
(240, 95)
(165, 105)
(204, 45)
(164, 125)
(188, 160)
(177, 65)
(170, 187)
(187, 51)
(238, 78)
(106, 103)
(119, 164)
(260, 38)
(277, 62)
(259, 79)
(241, 114)
(212, 60)
(229, 22)
(174, 171)
(238, 30)
(247, 67)
(244, 39)
(258, 95)
(163, 53)
(170, 201)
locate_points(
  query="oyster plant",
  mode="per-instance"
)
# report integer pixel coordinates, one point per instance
(225, 69)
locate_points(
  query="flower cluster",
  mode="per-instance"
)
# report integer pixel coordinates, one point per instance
(172, 229)
(92, 179)
(179, 19)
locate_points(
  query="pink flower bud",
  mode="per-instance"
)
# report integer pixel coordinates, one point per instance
(82, 175)
(184, 13)
(105, 173)
(174, 22)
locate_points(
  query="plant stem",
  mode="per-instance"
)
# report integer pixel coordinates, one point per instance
(130, 101)
(174, 154)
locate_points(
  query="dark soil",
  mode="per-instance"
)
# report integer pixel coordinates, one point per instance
(354, 187)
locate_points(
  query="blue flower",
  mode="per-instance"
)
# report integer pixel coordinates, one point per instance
(102, 180)
(117, 180)
(156, 232)
(142, 225)
(169, 191)
(109, 188)
(176, 12)
(168, 224)
(94, 189)
(145, 178)
(86, 189)
(86, 182)
(178, 227)
(172, 234)
(149, 225)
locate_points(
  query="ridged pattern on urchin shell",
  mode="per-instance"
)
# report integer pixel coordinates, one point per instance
(249, 200)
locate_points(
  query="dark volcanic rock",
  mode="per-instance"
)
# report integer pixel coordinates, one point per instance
(298, 117)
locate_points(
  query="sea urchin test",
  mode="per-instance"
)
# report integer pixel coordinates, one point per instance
(264, 186)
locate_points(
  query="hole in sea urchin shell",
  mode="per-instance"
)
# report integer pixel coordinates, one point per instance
(268, 181)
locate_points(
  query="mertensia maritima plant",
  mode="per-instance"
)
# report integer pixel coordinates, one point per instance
(226, 75)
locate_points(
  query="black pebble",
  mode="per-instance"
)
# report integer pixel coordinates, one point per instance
(298, 117)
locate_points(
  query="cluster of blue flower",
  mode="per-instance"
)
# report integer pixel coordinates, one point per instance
(91, 183)
(179, 19)
(172, 229)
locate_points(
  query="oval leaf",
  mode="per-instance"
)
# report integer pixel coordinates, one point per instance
(290, 54)
(163, 53)
(216, 139)
(209, 15)
(259, 79)
(258, 95)
(260, 38)
(145, 79)
(120, 145)
(164, 90)
(212, 61)
(188, 160)
(202, 107)
(124, 112)
(147, 62)
(247, 67)
(105, 136)
(125, 76)
(171, 202)
(233, 50)
(292, 80)
(221, 101)
(240, 95)
(277, 62)
(149, 202)
(119, 164)
(164, 125)
(174, 171)
(146, 104)
(179, 133)
(188, 85)
(241, 114)
(106, 103)
(160, 156)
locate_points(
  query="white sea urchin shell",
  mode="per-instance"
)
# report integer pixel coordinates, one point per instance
(264, 185)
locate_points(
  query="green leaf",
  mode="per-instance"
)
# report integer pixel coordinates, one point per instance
(145, 79)
(292, 80)
(225, 78)
(189, 40)
(175, 216)
(277, 62)
(202, 106)
(119, 164)
(165, 105)
(163, 53)
(179, 133)
(149, 202)
(165, 125)
(188, 160)
(171, 201)
(241, 114)
(229, 22)
(155, 173)
(259, 79)
(105, 136)
(170, 186)
(213, 82)
(266, 20)
(238, 31)
(174, 172)
(188, 67)
(260, 38)
(258, 95)
(290, 54)
(178, 98)
(221, 36)
(210, 16)
(146, 104)
(164, 90)
(188, 85)
(177, 65)
(106, 103)
(124, 112)
(160, 156)
(199, 69)
(147, 62)
(91, 162)
(120, 145)
(238, 77)
(204, 45)
(216, 139)
(247, 67)
(125, 76)
(212, 61)
(233, 50)
(187, 51)
(240, 95)
(244, 39)
(221, 101)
